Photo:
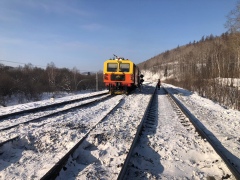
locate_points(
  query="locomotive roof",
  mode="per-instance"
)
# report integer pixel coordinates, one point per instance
(119, 59)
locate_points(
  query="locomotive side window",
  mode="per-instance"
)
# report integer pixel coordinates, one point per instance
(124, 67)
(112, 67)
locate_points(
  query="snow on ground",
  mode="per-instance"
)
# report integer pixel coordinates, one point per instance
(221, 123)
(169, 150)
(110, 142)
(173, 151)
(10, 122)
(46, 101)
(41, 144)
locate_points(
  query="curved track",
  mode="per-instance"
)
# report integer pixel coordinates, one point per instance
(49, 111)
(131, 168)
(206, 134)
(38, 145)
(55, 170)
(121, 127)
(46, 107)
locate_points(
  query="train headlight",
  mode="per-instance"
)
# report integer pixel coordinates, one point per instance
(141, 78)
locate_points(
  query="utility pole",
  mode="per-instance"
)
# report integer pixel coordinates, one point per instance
(96, 81)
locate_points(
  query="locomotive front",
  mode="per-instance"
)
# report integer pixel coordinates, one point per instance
(120, 75)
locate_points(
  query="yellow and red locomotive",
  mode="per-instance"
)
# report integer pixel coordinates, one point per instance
(121, 75)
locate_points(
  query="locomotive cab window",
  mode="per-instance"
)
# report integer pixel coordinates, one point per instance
(124, 67)
(112, 67)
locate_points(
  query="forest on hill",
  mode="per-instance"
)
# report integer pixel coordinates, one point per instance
(210, 66)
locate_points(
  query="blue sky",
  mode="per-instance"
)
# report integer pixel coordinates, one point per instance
(84, 33)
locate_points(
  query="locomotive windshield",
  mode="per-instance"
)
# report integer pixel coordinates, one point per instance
(124, 67)
(112, 67)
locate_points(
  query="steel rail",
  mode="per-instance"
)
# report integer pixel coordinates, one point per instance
(12, 139)
(55, 170)
(47, 106)
(204, 133)
(54, 113)
(139, 129)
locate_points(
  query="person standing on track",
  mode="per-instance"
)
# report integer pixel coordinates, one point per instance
(159, 84)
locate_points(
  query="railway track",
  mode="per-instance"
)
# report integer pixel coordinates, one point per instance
(206, 134)
(108, 131)
(46, 112)
(110, 147)
(46, 107)
(55, 170)
(37, 145)
(131, 170)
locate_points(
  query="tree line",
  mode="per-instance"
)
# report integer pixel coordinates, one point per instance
(210, 66)
(29, 82)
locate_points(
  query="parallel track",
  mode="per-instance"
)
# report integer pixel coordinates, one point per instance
(55, 170)
(205, 134)
(42, 108)
(146, 115)
(147, 121)
(50, 115)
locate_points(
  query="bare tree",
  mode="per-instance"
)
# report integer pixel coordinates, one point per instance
(233, 19)
(52, 73)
